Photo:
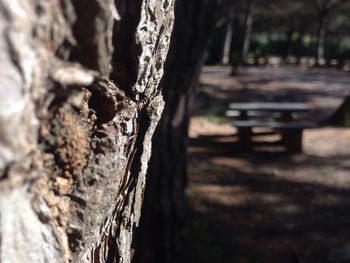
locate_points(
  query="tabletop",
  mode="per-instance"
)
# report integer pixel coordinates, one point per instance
(269, 106)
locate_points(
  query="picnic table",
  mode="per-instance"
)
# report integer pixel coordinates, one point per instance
(281, 117)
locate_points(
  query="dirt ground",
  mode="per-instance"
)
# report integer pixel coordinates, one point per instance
(268, 206)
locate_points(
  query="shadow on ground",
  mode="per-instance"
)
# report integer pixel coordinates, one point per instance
(267, 206)
(243, 215)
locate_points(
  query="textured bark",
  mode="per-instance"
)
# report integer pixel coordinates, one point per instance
(164, 209)
(79, 102)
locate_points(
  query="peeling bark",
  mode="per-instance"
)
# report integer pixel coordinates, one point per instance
(79, 102)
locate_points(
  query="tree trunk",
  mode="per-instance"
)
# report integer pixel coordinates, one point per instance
(165, 207)
(299, 44)
(248, 25)
(228, 38)
(289, 37)
(321, 35)
(79, 102)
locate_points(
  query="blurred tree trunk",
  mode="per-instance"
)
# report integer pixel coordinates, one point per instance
(289, 37)
(321, 35)
(248, 25)
(324, 9)
(164, 208)
(299, 44)
(79, 102)
(228, 38)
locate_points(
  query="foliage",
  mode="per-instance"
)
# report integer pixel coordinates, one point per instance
(289, 28)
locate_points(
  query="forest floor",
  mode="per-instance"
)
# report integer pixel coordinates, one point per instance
(267, 206)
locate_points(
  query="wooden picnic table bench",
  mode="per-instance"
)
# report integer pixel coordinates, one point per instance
(278, 116)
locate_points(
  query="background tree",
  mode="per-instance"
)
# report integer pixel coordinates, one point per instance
(283, 20)
(79, 101)
(248, 26)
(286, 29)
(246, 8)
(337, 45)
(324, 9)
(226, 56)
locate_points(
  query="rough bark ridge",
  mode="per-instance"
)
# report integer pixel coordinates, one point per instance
(79, 102)
(164, 207)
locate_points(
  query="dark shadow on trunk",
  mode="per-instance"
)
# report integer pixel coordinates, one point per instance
(164, 209)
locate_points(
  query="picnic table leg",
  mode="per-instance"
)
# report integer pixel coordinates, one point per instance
(286, 116)
(245, 138)
(292, 139)
(243, 115)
